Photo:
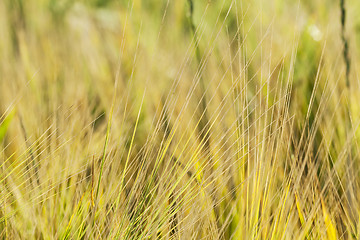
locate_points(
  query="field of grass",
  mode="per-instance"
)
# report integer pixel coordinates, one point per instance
(186, 119)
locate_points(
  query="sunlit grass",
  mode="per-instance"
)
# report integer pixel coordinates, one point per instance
(178, 120)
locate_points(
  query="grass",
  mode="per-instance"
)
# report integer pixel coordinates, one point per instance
(179, 119)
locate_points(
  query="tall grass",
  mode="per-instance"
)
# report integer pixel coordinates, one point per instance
(179, 120)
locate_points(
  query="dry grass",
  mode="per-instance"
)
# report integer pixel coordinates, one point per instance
(178, 120)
